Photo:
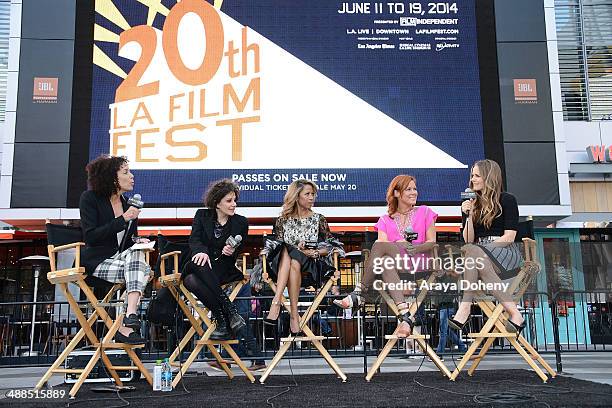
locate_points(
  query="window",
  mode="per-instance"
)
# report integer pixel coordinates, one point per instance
(584, 34)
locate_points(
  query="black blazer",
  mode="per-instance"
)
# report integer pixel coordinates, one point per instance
(100, 228)
(202, 238)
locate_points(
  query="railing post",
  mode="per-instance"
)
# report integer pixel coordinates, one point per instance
(555, 324)
(364, 338)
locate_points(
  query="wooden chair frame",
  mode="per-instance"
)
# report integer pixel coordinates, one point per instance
(76, 275)
(180, 293)
(304, 319)
(495, 327)
(419, 338)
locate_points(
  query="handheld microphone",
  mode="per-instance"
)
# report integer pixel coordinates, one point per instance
(468, 194)
(136, 202)
(233, 242)
(409, 234)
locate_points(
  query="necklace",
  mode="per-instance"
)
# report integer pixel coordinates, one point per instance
(401, 226)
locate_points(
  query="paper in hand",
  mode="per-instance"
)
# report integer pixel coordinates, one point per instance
(148, 245)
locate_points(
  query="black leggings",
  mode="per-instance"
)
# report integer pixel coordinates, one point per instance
(206, 283)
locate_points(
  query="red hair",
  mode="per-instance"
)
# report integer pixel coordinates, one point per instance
(399, 183)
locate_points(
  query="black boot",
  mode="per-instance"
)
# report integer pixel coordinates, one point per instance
(221, 332)
(235, 322)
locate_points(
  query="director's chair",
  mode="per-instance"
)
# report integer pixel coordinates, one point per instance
(62, 238)
(420, 339)
(199, 317)
(495, 327)
(304, 320)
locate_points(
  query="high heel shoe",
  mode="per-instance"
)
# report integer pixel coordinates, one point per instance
(298, 334)
(456, 324)
(515, 328)
(272, 322)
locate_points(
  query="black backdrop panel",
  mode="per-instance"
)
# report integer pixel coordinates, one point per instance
(40, 175)
(520, 20)
(44, 120)
(525, 120)
(531, 173)
(48, 19)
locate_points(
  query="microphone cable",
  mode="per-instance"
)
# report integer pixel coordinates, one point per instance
(509, 396)
(287, 387)
(117, 390)
(295, 383)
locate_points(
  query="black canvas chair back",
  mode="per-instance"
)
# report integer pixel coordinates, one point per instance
(525, 230)
(58, 235)
(165, 246)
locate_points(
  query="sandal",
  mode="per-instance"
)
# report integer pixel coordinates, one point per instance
(272, 322)
(404, 317)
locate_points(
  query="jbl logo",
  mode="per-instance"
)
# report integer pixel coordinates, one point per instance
(45, 86)
(45, 90)
(525, 91)
(525, 88)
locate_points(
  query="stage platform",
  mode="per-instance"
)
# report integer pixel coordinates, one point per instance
(403, 382)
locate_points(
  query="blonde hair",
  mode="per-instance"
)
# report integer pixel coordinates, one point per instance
(487, 205)
(399, 183)
(290, 202)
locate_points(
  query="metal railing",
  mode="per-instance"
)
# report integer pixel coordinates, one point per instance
(568, 321)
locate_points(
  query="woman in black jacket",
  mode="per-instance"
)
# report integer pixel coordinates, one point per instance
(213, 259)
(105, 220)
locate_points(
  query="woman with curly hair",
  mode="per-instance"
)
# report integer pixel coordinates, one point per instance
(213, 260)
(490, 224)
(105, 217)
(302, 234)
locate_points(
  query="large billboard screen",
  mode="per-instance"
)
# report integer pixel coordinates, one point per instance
(345, 93)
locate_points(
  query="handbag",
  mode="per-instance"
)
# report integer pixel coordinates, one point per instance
(162, 308)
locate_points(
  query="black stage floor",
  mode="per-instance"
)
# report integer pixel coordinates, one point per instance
(425, 389)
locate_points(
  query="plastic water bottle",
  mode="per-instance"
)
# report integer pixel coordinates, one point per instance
(166, 380)
(157, 376)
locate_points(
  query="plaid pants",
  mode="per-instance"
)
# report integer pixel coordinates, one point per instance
(128, 266)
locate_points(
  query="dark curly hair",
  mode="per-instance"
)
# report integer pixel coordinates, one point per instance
(219, 189)
(102, 174)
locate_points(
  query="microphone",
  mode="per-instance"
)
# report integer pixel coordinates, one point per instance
(136, 202)
(468, 194)
(233, 242)
(409, 234)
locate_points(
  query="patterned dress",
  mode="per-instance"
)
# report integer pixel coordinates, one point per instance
(292, 231)
(313, 230)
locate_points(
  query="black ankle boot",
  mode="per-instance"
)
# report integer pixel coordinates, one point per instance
(221, 332)
(235, 322)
